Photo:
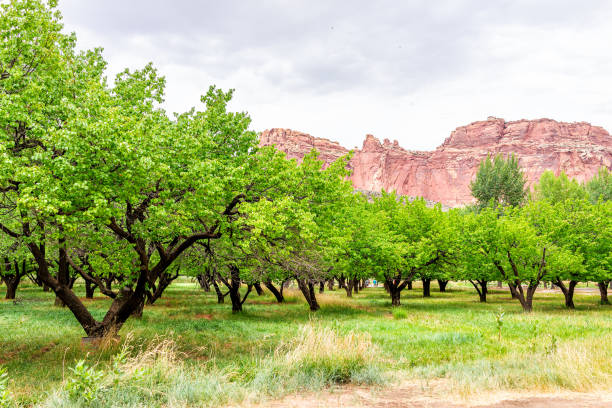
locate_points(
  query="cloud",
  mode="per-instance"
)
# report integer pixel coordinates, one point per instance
(411, 71)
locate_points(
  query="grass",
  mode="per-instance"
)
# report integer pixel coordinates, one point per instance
(189, 351)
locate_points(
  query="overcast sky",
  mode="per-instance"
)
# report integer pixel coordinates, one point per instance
(406, 70)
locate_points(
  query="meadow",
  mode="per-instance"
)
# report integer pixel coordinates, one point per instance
(187, 350)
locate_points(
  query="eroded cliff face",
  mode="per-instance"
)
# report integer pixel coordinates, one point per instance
(444, 175)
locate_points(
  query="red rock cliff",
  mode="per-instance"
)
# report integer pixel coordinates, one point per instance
(444, 175)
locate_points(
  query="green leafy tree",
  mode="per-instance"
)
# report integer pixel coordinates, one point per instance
(566, 225)
(473, 264)
(558, 189)
(499, 182)
(600, 186)
(79, 157)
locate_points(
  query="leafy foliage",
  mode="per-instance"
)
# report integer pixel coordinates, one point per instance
(499, 182)
(600, 186)
(557, 189)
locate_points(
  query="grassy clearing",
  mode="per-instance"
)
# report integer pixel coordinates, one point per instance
(187, 350)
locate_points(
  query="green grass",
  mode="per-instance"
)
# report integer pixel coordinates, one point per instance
(271, 349)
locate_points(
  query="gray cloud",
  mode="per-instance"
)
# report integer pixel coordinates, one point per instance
(411, 55)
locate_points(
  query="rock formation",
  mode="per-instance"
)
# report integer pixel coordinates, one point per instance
(444, 175)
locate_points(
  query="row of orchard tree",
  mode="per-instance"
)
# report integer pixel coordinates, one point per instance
(99, 183)
(563, 243)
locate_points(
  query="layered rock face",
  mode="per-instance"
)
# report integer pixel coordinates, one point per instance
(444, 175)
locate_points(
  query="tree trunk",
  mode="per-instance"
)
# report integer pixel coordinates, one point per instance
(348, 286)
(426, 287)
(330, 284)
(528, 306)
(355, 283)
(308, 291)
(500, 284)
(513, 292)
(314, 305)
(525, 299)
(278, 295)
(220, 295)
(63, 275)
(234, 288)
(568, 292)
(137, 312)
(409, 285)
(341, 282)
(11, 286)
(603, 292)
(258, 289)
(442, 284)
(481, 288)
(322, 286)
(164, 280)
(89, 289)
(12, 277)
(395, 297)
(483, 293)
(234, 294)
(204, 282)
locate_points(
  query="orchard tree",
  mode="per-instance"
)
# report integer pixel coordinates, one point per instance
(566, 225)
(284, 229)
(597, 247)
(600, 186)
(402, 239)
(521, 253)
(77, 157)
(499, 182)
(473, 263)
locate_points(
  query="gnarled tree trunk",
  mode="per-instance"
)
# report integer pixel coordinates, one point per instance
(233, 286)
(277, 294)
(203, 281)
(568, 292)
(307, 289)
(481, 287)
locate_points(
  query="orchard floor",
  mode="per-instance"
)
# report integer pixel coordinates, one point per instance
(447, 350)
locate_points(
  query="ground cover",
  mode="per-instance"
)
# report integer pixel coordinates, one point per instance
(273, 349)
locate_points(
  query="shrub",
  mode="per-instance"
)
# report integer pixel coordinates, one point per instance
(85, 383)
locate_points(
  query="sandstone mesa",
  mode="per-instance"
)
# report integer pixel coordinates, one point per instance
(444, 175)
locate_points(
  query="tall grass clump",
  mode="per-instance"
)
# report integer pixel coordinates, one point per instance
(156, 375)
(579, 365)
(320, 356)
